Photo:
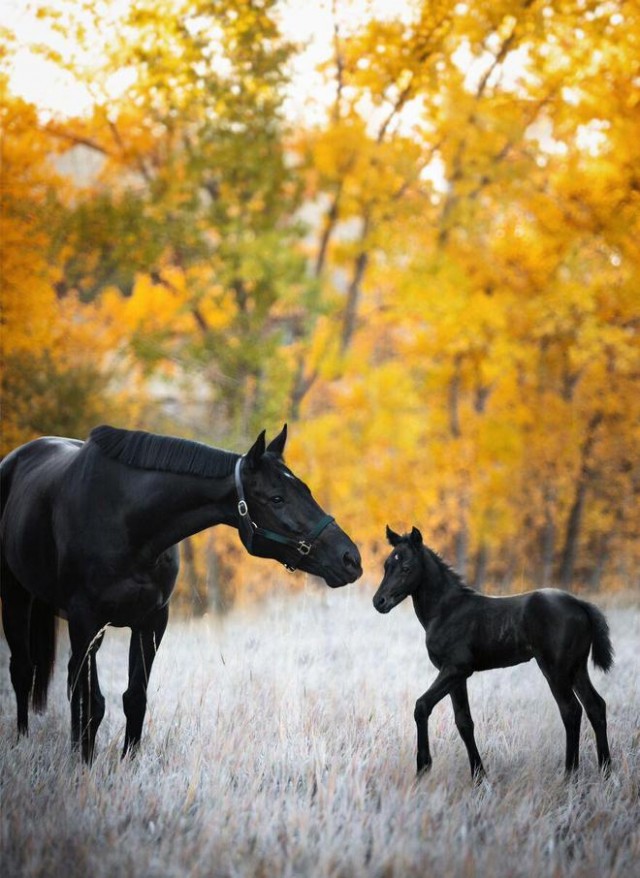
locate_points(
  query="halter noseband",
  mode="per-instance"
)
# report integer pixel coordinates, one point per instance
(250, 529)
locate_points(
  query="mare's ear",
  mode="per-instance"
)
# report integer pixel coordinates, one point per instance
(276, 446)
(393, 537)
(416, 537)
(254, 454)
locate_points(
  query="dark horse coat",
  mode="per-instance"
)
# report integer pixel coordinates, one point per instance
(467, 632)
(89, 530)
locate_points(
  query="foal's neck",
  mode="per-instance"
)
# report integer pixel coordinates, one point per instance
(440, 588)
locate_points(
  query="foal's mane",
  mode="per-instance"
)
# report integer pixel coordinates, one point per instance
(451, 575)
(149, 451)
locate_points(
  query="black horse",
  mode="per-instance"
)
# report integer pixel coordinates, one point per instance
(89, 531)
(467, 631)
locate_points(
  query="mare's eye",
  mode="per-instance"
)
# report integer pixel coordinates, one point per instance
(277, 499)
(405, 568)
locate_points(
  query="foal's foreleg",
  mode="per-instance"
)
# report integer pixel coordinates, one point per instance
(446, 680)
(464, 723)
(142, 652)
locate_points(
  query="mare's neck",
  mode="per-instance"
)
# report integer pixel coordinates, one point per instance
(165, 508)
(440, 589)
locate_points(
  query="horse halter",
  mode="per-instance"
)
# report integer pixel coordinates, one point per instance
(250, 529)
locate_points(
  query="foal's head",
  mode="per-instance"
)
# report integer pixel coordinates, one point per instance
(280, 519)
(403, 570)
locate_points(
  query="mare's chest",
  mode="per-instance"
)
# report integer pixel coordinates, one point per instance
(127, 600)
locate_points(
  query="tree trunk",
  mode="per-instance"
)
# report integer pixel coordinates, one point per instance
(330, 221)
(219, 597)
(602, 556)
(462, 550)
(482, 562)
(574, 523)
(353, 294)
(197, 602)
(547, 549)
(454, 399)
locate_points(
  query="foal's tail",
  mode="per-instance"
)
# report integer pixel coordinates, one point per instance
(42, 650)
(601, 646)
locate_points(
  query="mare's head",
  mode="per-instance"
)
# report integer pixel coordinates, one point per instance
(280, 519)
(403, 570)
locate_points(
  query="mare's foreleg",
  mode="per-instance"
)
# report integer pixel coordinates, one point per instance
(570, 711)
(16, 611)
(87, 701)
(446, 680)
(464, 724)
(596, 710)
(142, 652)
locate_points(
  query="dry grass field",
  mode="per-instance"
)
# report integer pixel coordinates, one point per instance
(280, 742)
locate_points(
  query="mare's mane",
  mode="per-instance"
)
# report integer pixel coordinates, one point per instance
(149, 451)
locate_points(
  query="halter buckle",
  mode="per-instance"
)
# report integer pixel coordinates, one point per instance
(243, 509)
(304, 548)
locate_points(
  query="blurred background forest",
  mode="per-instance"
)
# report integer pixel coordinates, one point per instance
(411, 230)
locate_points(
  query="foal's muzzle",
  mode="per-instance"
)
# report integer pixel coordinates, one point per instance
(384, 603)
(381, 604)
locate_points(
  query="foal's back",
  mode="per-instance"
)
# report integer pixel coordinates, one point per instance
(549, 625)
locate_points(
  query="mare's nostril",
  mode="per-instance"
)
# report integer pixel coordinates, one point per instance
(350, 562)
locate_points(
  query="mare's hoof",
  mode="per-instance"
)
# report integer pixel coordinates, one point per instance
(478, 776)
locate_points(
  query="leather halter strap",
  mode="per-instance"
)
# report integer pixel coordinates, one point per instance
(250, 529)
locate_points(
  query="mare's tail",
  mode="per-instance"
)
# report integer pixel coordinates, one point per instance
(601, 646)
(42, 650)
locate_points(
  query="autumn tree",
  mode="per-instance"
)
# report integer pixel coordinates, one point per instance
(485, 157)
(195, 204)
(54, 379)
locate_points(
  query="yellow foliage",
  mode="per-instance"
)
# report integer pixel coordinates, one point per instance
(476, 214)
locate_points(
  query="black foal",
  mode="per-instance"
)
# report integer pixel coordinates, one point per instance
(467, 631)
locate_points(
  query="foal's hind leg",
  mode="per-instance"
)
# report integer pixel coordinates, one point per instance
(570, 711)
(596, 709)
(464, 723)
(142, 651)
(16, 611)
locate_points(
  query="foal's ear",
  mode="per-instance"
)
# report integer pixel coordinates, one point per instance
(276, 446)
(416, 537)
(254, 454)
(393, 537)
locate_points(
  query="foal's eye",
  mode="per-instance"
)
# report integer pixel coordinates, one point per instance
(277, 499)
(405, 568)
